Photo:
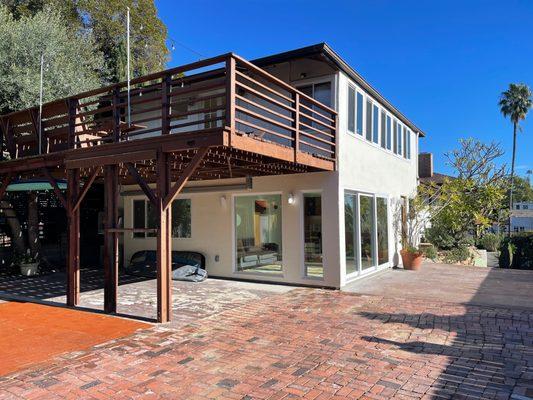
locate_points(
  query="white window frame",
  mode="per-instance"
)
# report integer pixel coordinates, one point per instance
(235, 270)
(359, 272)
(303, 269)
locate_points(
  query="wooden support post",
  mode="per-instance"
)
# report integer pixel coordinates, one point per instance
(71, 136)
(116, 114)
(296, 125)
(230, 94)
(73, 262)
(110, 238)
(164, 246)
(166, 84)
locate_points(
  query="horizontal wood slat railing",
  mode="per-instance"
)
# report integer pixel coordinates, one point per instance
(225, 92)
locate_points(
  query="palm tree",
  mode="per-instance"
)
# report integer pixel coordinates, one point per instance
(515, 103)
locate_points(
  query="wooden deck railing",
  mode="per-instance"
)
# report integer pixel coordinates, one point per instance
(224, 92)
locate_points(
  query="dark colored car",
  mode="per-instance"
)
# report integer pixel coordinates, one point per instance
(143, 263)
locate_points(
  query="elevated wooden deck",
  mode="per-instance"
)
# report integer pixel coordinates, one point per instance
(213, 119)
(234, 108)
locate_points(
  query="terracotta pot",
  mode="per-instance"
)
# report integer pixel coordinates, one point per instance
(411, 261)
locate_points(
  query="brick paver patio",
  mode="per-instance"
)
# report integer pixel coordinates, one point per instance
(305, 343)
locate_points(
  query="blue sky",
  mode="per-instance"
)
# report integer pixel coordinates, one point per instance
(443, 64)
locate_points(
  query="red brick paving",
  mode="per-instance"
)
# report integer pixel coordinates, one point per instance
(309, 344)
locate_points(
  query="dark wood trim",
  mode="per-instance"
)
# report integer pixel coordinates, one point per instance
(56, 189)
(142, 183)
(164, 241)
(184, 176)
(86, 187)
(73, 260)
(111, 199)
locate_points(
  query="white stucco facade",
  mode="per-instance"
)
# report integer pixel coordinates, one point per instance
(363, 167)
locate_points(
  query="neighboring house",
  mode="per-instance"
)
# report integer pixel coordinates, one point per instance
(521, 218)
(301, 194)
(322, 228)
(426, 171)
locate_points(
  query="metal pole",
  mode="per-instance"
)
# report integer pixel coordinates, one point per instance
(128, 63)
(41, 104)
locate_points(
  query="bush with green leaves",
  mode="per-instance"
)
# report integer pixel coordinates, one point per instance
(456, 255)
(429, 252)
(490, 241)
(517, 251)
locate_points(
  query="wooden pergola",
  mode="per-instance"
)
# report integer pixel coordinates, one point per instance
(213, 119)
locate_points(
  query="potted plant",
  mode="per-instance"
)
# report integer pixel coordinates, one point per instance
(412, 218)
(411, 258)
(29, 265)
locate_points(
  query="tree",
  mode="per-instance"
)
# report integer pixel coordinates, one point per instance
(73, 63)
(523, 191)
(515, 103)
(472, 201)
(107, 21)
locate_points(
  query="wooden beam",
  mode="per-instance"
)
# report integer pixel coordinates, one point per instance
(142, 183)
(73, 261)
(111, 195)
(164, 244)
(184, 177)
(86, 187)
(57, 191)
(5, 183)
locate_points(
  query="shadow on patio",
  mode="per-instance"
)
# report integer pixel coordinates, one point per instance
(484, 352)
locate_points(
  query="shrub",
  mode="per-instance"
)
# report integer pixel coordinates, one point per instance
(456, 255)
(490, 242)
(429, 252)
(517, 252)
(439, 236)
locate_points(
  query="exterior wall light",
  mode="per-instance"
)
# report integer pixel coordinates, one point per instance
(223, 201)
(290, 199)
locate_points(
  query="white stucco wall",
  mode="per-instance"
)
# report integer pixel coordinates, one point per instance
(212, 230)
(366, 167)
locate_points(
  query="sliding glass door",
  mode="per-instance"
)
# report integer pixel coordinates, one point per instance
(366, 232)
(367, 223)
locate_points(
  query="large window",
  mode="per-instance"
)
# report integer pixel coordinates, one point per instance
(389, 133)
(382, 230)
(383, 129)
(366, 232)
(405, 132)
(314, 266)
(368, 120)
(351, 109)
(145, 217)
(359, 113)
(258, 245)
(350, 216)
(375, 125)
(408, 144)
(366, 221)
(399, 139)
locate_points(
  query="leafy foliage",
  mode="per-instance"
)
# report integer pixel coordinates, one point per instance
(515, 102)
(490, 241)
(517, 251)
(522, 189)
(456, 255)
(106, 20)
(472, 202)
(73, 62)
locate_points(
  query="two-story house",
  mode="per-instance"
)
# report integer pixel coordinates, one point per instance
(290, 168)
(319, 228)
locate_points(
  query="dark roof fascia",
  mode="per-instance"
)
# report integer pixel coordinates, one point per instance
(337, 61)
